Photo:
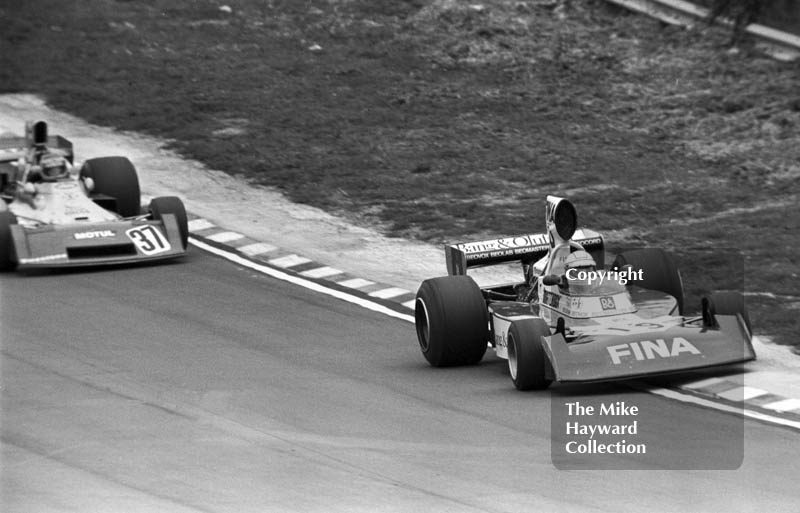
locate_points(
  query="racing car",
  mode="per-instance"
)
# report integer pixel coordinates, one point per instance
(569, 319)
(52, 216)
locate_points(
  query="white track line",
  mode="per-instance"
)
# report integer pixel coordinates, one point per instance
(257, 248)
(742, 393)
(223, 237)
(289, 261)
(355, 283)
(389, 293)
(672, 394)
(375, 307)
(296, 280)
(321, 272)
(783, 405)
(195, 225)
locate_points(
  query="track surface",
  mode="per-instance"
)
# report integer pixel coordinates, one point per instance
(201, 386)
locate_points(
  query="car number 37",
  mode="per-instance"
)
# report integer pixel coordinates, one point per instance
(148, 239)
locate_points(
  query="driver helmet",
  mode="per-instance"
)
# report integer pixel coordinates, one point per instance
(53, 166)
(581, 261)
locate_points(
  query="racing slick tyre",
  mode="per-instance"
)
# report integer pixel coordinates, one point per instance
(115, 177)
(526, 357)
(452, 321)
(7, 261)
(171, 205)
(730, 303)
(659, 271)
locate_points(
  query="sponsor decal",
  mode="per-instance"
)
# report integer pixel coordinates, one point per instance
(512, 246)
(499, 331)
(607, 303)
(500, 339)
(506, 246)
(97, 234)
(651, 350)
(74, 211)
(551, 299)
(48, 258)
(148, 239)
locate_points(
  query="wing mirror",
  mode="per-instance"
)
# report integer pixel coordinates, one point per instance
(551, 279)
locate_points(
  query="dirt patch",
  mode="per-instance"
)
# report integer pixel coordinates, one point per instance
(444, 120)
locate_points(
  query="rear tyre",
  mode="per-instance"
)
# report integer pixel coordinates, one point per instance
(730, 303)
(452, 321)
(526, 356)
(7, 256)
(115, 177)
(659, 271)
(171, 205)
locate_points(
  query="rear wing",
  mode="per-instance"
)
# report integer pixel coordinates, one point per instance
(13, 148)
(527, 248)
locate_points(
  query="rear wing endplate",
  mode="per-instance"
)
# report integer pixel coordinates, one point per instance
(528, 248)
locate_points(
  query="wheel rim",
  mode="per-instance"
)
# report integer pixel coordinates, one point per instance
(423, 326)
(512, 356)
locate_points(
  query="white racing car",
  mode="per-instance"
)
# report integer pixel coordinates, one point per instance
(570, 319)
(52, 216)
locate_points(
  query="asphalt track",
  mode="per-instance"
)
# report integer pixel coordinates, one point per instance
(203, 386)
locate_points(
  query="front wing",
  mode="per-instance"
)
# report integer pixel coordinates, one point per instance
(676, 349)
(117, 242)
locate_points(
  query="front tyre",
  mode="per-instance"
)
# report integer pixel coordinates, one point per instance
(115, 177)
(7, 260)
(452, 321)
(526, 356)
(171, 205)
